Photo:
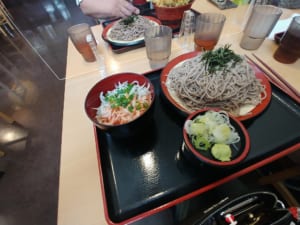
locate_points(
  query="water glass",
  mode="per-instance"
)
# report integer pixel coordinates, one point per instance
(158, 40)
(260, 23)
(208, 30)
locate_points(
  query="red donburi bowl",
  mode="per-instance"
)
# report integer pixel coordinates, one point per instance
(92, 102)
(171, 16)
(239, 150)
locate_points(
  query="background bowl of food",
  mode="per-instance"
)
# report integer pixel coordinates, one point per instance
(214, 137)
(121, 104)
(170, 12)
(128, 31)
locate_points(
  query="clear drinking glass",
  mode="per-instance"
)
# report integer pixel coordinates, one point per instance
(260, 23)
(187, 29)
(208, 30)
(158, 40)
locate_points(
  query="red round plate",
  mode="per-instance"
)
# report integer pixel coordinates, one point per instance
(128, 43)
(259, 74)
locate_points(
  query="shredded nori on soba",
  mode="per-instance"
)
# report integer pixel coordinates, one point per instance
(216, 60)
(129, 20)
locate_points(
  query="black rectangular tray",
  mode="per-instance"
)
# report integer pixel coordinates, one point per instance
(143, 173)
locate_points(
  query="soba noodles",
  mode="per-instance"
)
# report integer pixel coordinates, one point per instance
(194, 87)
(121, 31)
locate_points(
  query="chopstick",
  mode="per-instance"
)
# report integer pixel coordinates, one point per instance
(276, 82)
(278, 76)
(270, 78)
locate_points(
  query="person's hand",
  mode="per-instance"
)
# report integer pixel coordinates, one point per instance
(108, 8)
(124, 8)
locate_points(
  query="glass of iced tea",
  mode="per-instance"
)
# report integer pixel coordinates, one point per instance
(289, 48)
(208, 29)
(81, 36)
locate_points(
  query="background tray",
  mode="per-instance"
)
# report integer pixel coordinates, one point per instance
(145, 172)
(145, 11)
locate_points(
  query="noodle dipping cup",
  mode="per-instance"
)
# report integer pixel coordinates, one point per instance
(133, 127)
(201, 157)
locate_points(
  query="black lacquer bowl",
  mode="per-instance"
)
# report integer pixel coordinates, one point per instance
(131, 128)
(239, 150)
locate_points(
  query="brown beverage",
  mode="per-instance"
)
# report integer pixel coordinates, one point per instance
(289, 49)
(86, 51)
(208, 29)
(201, 45)
(81, 35)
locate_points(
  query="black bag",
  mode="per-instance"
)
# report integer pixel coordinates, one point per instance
(258, 208)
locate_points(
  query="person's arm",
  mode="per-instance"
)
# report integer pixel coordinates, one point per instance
(104, 8)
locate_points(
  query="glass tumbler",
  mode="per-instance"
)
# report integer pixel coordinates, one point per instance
(158, 40)
(208, 30)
